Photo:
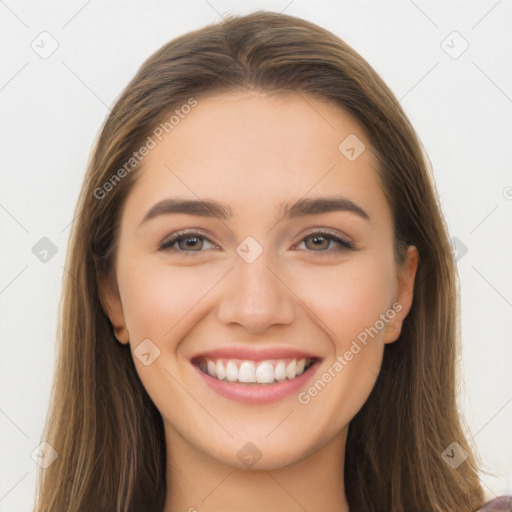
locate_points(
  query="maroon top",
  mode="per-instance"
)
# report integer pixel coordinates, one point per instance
(499, 504)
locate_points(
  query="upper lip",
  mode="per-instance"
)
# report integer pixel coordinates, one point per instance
(255, 353)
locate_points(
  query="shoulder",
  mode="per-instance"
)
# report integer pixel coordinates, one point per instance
(499, 504)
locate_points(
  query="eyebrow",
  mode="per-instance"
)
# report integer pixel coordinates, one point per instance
(216, 209)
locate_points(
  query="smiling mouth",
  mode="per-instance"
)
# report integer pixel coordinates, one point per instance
(244, 371)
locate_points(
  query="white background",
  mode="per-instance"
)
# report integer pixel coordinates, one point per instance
(52, 109)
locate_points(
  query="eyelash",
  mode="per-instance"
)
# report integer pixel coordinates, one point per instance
(166, 244)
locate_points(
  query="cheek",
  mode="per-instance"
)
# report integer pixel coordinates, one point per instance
(159, 299)
(163, 303)
(348, 297)
(349, 300)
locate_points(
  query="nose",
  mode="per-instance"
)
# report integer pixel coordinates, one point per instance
(256, 296)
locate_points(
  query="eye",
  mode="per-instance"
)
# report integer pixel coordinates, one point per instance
(321, 240)
(193, 242)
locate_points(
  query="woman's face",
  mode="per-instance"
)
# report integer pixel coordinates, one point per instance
(256, 286)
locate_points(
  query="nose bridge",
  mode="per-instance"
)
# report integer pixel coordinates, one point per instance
(256, 297)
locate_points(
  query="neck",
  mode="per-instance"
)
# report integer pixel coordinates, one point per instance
(197, 482)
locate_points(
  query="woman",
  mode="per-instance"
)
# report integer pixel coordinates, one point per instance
(260, 310)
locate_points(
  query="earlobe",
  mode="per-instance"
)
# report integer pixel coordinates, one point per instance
(112, 306)
(405, 293)
(122, 335)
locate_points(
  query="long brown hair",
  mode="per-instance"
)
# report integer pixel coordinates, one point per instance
(106, 430)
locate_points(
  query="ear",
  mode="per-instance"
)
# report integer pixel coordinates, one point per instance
(111, 302)
(404, 296)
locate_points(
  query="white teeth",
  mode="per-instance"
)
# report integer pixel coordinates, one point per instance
(262, 372)
(265, 372)
(247, 372)
(231, 371)
(290, 369)
(220, 370)
(300, 366)
(210, 367)
(280, 371)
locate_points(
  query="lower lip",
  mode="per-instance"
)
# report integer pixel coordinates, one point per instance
(258, 393)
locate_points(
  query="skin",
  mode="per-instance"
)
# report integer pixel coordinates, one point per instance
(254, 151)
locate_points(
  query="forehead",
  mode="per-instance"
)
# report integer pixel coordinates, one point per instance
(256, 151)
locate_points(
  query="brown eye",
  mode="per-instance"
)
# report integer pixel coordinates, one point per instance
(321, 241)
(185, 242)
(191, 242)
(318, 242)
